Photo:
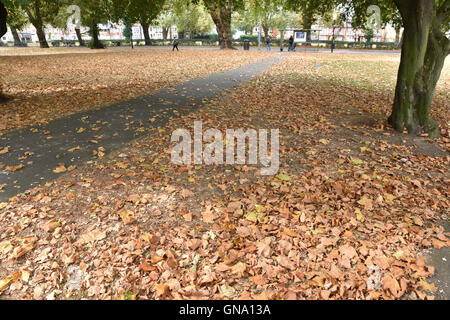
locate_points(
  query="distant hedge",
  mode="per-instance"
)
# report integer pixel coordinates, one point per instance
(250, 37)
(211, 40)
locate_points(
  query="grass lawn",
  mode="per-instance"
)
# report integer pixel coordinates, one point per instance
(67, 81)
(352, 214)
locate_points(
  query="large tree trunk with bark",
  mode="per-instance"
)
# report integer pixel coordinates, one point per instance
(145, 27)
(3, 29)
(397, 37)
(96, 43)
(3, 16)
(36, 20)
(165, 32)
(308, 20)
(80, 39)
(424, 50)
(400, 43)
(17, 41)
(221, 15)
(307, 24)
(41, 36)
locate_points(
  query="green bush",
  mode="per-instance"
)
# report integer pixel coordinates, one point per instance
(207, 37)
(250, 37)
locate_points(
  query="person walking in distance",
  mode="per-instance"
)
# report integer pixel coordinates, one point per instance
(268, 43)
(291, 43)
(175, 44)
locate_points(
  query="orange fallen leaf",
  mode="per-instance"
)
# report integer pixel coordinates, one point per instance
(14, 168)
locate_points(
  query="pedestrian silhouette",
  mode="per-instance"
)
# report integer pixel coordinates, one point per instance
(175, 44)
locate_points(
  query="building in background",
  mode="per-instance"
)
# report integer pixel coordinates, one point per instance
(114, 31)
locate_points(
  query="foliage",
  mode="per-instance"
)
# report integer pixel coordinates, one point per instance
(142, 11)
(311, 10)
(356, 11)
(94, 12)
(192, 18)
(368, 34)
(16, 15)
(346, 218)
(127, 32)
(271, 14)
(41, 11)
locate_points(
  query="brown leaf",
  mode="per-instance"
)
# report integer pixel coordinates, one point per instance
(147, 267)
(127, 216)
(162, 290)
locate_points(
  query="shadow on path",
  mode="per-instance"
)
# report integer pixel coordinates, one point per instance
(41, 149)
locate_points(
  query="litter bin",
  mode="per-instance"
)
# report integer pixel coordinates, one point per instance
(246, 44)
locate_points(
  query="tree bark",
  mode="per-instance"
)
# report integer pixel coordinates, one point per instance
(165, 32)
(145, 27)
(221, 15)
(308, 20)
(3, 30)
(401, 41)
(265, 30)
(3, 16)
(17, 42)
(41, 36)
(36, 20)
(96, 43)
(424, 50)
(80, 39)
(307, 24)
(397, 37)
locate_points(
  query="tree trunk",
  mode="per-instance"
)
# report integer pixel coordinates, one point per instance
(3, 30)
(307, 24)
(165, 32)
(80, 39)
(265, 30)
(145, 27)
(41, 36)
(36, 20)
(96, 43)
(397, 36)
(424, 50)
(227, 35)
(221, 15)
(400, 43)
(3, 16)
(17, 41)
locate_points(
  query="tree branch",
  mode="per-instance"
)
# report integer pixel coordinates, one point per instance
(30, 15)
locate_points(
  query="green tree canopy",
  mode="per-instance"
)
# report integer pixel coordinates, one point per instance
(142, 11)
(310, 10)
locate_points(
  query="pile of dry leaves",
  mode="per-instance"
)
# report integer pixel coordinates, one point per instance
(47, 87)
(350, 215)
